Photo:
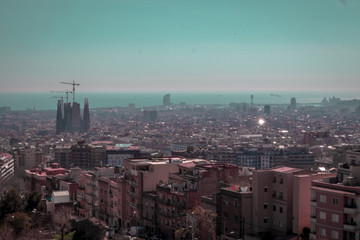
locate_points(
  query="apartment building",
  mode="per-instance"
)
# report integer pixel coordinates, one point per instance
(335, 201)
(280, 200)
(6, 167)
(143, 175)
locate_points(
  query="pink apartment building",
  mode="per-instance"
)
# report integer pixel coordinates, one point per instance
(281, 200)
(335, 201)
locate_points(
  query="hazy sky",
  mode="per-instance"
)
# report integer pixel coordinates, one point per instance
(169, 45)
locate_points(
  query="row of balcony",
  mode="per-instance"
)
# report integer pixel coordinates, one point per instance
(168, 202)
(169, 214)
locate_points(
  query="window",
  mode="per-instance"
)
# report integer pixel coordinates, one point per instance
(335, 201)
(335, 217)
(225, 202)
(334, 234)
(280, 209)
(235, 204)
(265, 220)
(265, 205)
(323, 198)
(281, 196)
(274, 208)
(274, 179)
(265, 189)
(322, 231)
(225, 215)
(281, 181)
(323, 215)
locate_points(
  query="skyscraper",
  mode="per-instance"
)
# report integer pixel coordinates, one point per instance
(293, 103)
(267, 109)
(166, 100)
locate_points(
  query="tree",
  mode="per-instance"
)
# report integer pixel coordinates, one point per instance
(62, 220)
(68, 236)
(203, 223)
(18, 221)
(305, 234)
(33, 200)
(10, 202)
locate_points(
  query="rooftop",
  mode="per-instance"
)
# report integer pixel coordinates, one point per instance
(286, 169)
(4, 157)
(60, 193)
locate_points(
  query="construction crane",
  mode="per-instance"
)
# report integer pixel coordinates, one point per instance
(62, 98)
(67, 94)
(73, 83)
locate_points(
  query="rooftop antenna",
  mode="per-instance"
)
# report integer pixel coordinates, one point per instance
(73, 83)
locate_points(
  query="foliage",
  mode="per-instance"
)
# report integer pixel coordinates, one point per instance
(10, 202)
(204, 221)
(68, 236)
(32, 200)
(305, 234)
(18, 221)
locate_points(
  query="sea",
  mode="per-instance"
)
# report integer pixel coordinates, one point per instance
(19, 101)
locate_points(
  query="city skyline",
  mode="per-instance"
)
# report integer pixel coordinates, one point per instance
(180, 46)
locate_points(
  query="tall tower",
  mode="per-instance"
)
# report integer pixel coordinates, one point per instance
(252, 101)
(59, 118)
(166, 100)
(75, 117)
(293, 103)
(86, 116)
(267, 109)
(67, 117)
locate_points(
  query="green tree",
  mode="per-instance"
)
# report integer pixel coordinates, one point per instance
(68, 236)
(32, 201)
(18, 221)
(10, 202)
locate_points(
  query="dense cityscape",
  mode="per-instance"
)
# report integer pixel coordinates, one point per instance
(178, 171)
(177, 120)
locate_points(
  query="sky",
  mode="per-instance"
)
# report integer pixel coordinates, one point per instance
(180, 45)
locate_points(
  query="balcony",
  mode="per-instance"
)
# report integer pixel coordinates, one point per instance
(351, 209)
(133, 183)
(313, 218)
(133, 194)
(313, 203)
(133, 205)
(164, 201)
(350, 226)
(178, 204)
(278, 197)
(164, 214)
